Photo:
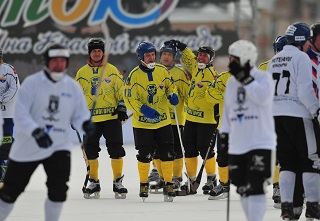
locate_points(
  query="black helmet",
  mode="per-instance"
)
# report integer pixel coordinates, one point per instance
(95, 43)
(55, 50)
(209, 50)
(315, 28)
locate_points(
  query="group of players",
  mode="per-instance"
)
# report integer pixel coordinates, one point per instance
(179, 113)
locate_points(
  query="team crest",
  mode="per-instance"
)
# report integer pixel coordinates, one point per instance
(53, 108)
(107, 80)
(2, 79)
(200, 85)
(161, 86)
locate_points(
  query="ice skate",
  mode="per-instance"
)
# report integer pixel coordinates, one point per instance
(220, 192)
(144, 189)
(153, 176)
(155, 186)
(119, 190)
(312, 211)
(287, 211)
(211, 182)
(185, 187)
(276, 196)
(168, 192)
(93, 190)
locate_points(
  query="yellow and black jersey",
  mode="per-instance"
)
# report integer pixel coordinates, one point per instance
(152, 89)
(216, 91)
(110, 92)
(198, 109)
(182, 83)
(264, 66)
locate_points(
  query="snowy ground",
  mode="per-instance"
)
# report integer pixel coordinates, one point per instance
(29, 206)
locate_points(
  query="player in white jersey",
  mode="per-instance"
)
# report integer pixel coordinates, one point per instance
(9, 84)
(294, 107)
(47, 103)
(247, 128)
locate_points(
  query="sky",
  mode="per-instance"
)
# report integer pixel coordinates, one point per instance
(30, 205)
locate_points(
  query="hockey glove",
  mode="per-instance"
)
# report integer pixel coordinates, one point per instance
(42, 138)
(88, 127)
(121, 110)
(173, 98)
(241, 74)
(175, 43)
(150, 113)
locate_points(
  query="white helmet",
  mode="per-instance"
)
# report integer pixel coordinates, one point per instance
(245, 51)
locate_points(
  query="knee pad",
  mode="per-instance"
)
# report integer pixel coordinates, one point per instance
(12, 196)
(116, 152)
(144, 157)
(222, 159)
(57, 190)
(256, 187)
(167, 155)
(203, 152)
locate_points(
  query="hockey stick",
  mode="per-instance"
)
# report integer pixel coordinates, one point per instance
(181, 193)
(197, 182)
(86, 161)
(125, 121)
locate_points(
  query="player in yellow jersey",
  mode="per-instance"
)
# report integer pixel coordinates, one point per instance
(199, 132)
(182, 82)
(215, 95)
(149, 91)
(107, 114)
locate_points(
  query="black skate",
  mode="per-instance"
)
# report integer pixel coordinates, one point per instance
(185, 186)
(93, 190)
(168, 192)
(276, 196)
(144, 188)
(287, 211)
(211, 182)
(155, 186)
(119, 190)
(312, 211)
(220, 192)
(153, 176)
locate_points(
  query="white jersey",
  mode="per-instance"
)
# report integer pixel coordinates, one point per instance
(9, 84)
(294, 95)
(247, 116)
(51, 106)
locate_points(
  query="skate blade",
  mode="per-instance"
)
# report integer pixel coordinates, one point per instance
(95, 195)
(219, 197)
(143, 198)
(155, 191)
(206, 192)
(310, 219)
(167, 198)
(120, 195)
(181, 193)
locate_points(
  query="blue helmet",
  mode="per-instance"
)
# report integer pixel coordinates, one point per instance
(168, 48)
(144, 47)
(278, 43)
(298, 33)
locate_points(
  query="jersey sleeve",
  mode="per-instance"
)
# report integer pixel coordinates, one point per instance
(189, 61)
(12, 85)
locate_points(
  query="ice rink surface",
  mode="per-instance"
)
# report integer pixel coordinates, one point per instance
(30, 205)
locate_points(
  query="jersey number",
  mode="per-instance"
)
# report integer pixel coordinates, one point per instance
(277, 77)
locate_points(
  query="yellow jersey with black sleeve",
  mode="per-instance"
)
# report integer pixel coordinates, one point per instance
(264, 66)
(149, 87)
(198, 109)
(182, 83)
(216, 91)
(109, 94)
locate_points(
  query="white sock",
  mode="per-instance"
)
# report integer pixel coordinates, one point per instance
(311, 186)
(245, 206)
(5, 209)
(53, 210)
(286, 182)
(257, 207)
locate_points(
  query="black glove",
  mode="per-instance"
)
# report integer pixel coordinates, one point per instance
(241, 74)
(175, 43)
(88, 127)
(121, 110)
(42, 138)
